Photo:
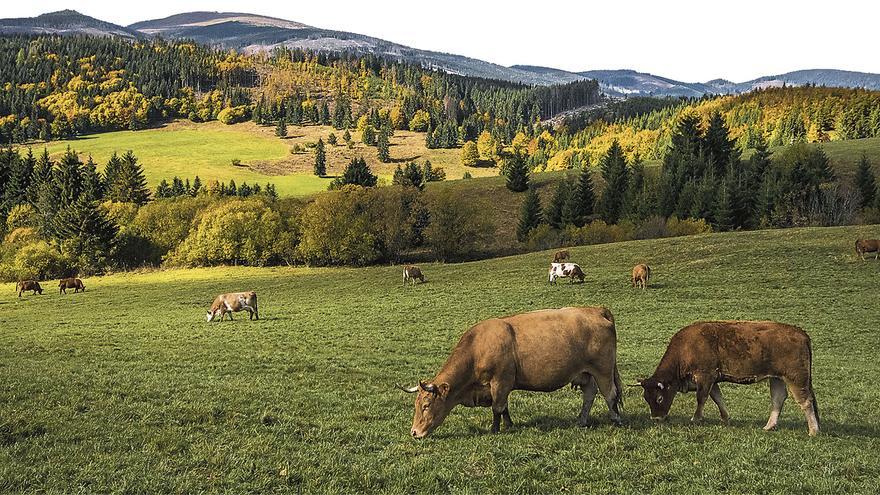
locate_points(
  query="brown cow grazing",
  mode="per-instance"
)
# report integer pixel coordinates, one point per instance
(868, 246)
(71, 283)
(641, 274)
(560, 256)
(412, 273)
(233, 302)
(703, 354)
(26, 285)
(539, 351)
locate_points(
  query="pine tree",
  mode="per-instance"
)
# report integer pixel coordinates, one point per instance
(616, 175)
(196, 186)
(530, 215)
(86, 233)
(382, 145)
(724, 209)
(409, 176)
(357, 172)
(866, 182)
(92, 182)
(555, 209)
(320, 159)
(582, 201)
(331, 139)
(18, 187)
(346, 136)
(163, 190)
(125, 180)
(177, 188)
(232, 189)
(281, 128)
(69, 178)
(517, 172)
(720, 149)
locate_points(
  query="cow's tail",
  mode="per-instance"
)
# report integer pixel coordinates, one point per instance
(618, 391)
(812, 392)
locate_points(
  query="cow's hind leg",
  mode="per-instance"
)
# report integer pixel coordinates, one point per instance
(715, 394)
(589, 388)
(611, 392)
(803, 395)
(778, 394)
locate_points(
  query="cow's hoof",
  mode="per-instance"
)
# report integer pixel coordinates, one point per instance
(770, 428)
(586, 423)
(697, 419)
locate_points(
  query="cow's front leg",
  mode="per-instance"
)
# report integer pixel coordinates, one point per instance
(715, 393)
(500, 392)
(704, 386)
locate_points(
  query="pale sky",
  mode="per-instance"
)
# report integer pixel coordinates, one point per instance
(687, 40)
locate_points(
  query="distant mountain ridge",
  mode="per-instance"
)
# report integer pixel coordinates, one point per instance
(65, 22)
(252, 32)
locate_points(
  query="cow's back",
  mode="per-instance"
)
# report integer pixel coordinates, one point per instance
(742, 351)
(545, 347)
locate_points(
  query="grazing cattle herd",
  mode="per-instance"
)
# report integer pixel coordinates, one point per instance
(545, 350)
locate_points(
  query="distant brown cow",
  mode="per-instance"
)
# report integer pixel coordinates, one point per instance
(412, 273)
(540, 351)
(71, 283)
(703, 354)
(561, 256)
(226, 304)
(26, 285)
(641, 274)
(868, 246)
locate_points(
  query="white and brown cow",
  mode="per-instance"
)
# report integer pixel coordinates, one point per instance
(234, 302)
(565, 270)
(641, 275)
(412, 273)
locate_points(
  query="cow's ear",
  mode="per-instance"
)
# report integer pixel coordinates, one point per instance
(443, 389)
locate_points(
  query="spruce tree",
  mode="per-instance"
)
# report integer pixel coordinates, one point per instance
(555, 209)
(92, 182)
(382, 146)
(581, 203)
(196, 186)
(163, 190)
(530, 215)
(232, 189)
(126, 183)
(866, 182)
(69, 178)
(719, 148)
(409, 176)
(320, 159)
(281, 128)
(517, 172)
(725, 216)
(86, 233)
(18, 187)
(357, 172)
(616, 175)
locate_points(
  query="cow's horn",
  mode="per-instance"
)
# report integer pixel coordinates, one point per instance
(409, 390)
(428, 387)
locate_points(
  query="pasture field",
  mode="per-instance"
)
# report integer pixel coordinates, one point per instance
(126, 388)
(187, 149)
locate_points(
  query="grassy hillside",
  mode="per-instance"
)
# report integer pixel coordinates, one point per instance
(126, 388)
(187, 149)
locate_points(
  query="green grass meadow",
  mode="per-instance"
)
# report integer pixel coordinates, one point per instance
(126, 388)
(185, 150)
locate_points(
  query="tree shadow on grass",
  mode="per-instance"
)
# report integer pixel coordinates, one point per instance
(405, 160)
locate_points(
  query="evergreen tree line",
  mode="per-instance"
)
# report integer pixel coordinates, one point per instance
(180, 187)
(703, 176)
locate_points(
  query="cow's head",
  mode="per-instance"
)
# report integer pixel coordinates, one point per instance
(659, 397)
(39, 289)
(210, 315)
(432, 407)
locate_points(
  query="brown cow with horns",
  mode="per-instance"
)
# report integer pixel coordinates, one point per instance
(540, 351)
(703, 354)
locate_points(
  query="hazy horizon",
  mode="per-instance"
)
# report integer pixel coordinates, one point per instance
(689, 42)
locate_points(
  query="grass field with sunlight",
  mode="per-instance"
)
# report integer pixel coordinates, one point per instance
(126, 388)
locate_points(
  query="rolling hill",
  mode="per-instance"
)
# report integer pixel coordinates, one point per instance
(65, 22)
(252, 32)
